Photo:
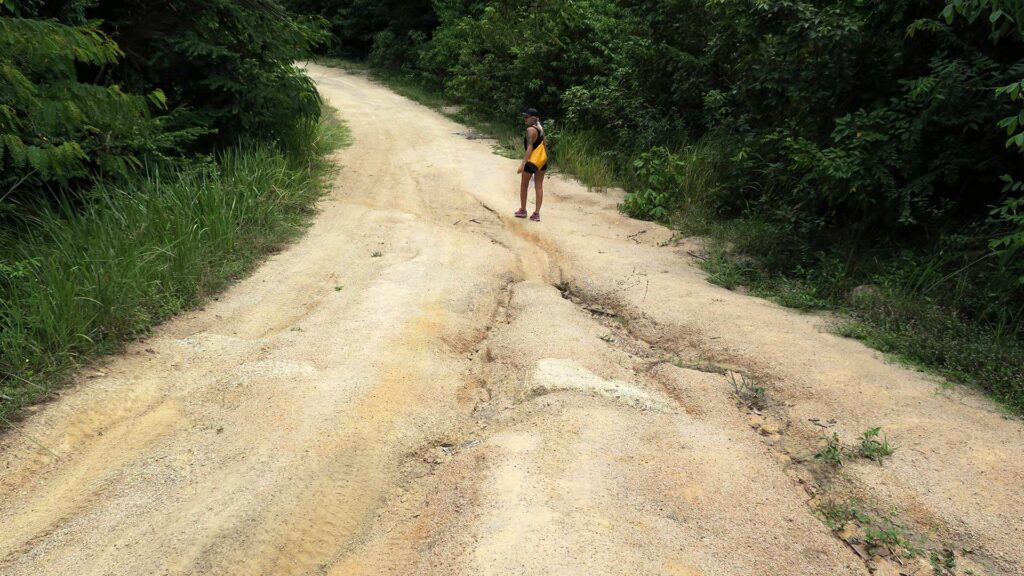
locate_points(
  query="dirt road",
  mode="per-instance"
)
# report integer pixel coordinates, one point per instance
(426, 385)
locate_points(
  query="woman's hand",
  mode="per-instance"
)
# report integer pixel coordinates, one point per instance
(522, 166)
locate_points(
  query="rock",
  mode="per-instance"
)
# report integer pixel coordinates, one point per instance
(770, 427)
(880, 551)
(861, 551)
(917, 567)
(851, 532)
(803, 455)
(755, 421)
(886, 568)
(864, 291)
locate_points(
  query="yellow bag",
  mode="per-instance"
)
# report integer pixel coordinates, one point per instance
(539, 156)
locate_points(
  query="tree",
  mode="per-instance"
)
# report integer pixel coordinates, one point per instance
(1007, 25)
(55, 128)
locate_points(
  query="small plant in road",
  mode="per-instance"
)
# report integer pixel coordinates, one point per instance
(748, 393)
(376, 254)
(832, 453)
(873, 448)
(892, 539)
(943, 562)
(837, 514)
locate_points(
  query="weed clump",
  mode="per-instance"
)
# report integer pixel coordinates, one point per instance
(747, 392)
(884, 536)
(834, 453)
(873, 448)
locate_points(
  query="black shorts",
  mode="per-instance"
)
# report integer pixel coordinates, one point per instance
(531, 168)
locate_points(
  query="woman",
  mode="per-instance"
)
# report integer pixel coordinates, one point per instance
(533, 140)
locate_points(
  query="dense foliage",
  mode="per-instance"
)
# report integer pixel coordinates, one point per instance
(95, 88)
(231, 64)
(54, 128)
(357, 25)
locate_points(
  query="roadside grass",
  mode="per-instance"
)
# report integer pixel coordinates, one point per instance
(912, 328)
(79, 279)
(938, 340)
(580, 153)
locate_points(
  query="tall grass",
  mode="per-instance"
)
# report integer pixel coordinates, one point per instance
(79, 278)
(883, 300)
(582, 154)
(936, 338)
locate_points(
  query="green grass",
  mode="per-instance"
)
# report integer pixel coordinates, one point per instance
(873, 448)
(892, 538)
(834, 453)
(878, 532)
(838, 513)
(582, 154)
(893, 317)
(940, 341)
(80, 278)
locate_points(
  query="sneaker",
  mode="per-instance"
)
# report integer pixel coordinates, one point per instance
(520, 213)
(535, 217)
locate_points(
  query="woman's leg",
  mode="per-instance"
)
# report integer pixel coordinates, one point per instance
(539, 187)
(524, 186)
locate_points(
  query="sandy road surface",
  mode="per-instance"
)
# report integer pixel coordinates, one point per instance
(489, 396)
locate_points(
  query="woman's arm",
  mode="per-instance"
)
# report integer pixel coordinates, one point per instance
(530, 137)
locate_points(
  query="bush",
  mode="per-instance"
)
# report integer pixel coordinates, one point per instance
(55, 129)
(95, 89)
(665, 182)
(229, 65)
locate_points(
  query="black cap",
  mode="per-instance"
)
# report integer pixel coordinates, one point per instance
(530, 112)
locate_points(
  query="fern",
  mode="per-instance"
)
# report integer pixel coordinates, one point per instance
(55, 128)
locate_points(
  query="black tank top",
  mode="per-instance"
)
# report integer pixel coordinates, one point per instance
(540, 137)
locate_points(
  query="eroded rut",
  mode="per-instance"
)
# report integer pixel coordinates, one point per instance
(426, 385)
